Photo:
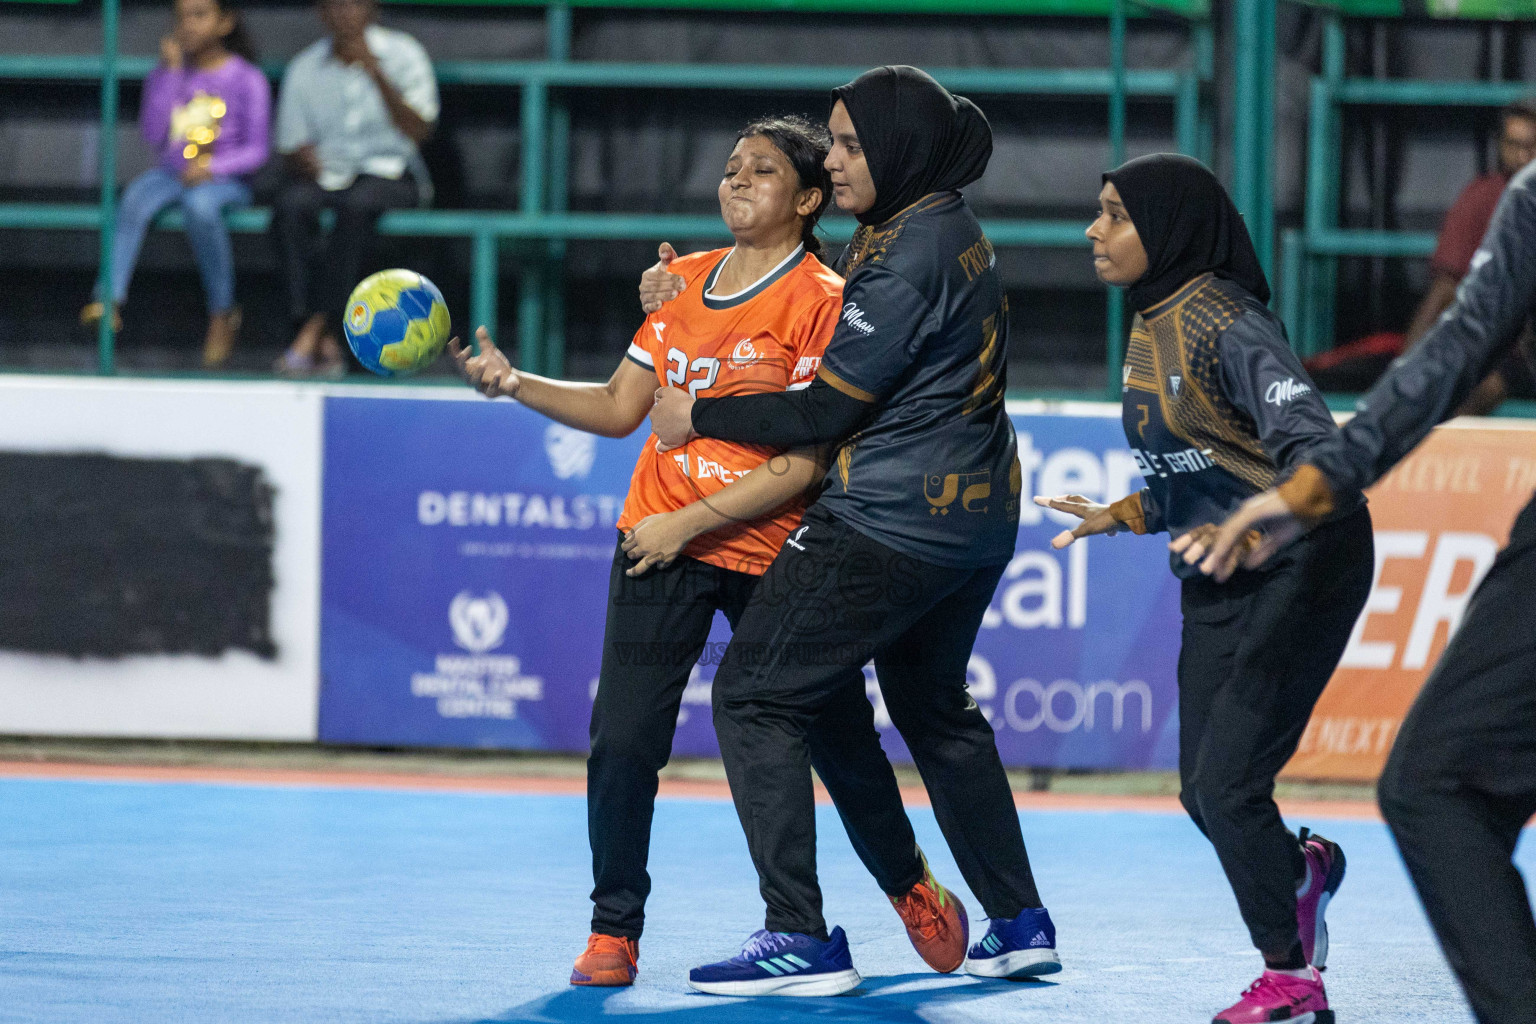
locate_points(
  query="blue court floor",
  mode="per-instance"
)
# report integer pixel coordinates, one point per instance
(139, 902)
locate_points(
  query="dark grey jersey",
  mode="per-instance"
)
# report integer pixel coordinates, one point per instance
(933, 472)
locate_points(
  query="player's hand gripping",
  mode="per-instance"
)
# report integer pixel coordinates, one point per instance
(1238, 542)
(672, 418)
(658, 284)
(654, 542)
(490, 372)
(1096, 518)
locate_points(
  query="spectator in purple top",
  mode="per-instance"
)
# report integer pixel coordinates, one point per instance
(205, 113)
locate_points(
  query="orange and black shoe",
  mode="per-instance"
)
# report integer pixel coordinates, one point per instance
(935, 920)
(608, 961)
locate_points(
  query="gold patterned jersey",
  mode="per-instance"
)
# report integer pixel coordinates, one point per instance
(923, 339)
(1215, 404)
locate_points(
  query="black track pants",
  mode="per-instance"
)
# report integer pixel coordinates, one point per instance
(1461, 782)
(657, 627)
(833, 599)
(1256, 654)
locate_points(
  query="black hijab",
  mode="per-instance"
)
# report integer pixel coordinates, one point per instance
(917, 137)
(1188, 226)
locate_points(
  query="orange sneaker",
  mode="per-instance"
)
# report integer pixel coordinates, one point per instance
(609, 960)
(935, 920)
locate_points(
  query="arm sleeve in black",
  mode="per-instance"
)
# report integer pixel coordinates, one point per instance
(819, 414)
(1425, 387)
(1262, 376)
(1152, 511)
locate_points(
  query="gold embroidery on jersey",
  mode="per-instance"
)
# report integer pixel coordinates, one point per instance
(970, 488)
(990, 374)
(845, 463)
(1182, 342)
(978, 259)
(871, 243)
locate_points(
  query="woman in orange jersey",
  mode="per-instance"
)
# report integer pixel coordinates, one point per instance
(752, 318)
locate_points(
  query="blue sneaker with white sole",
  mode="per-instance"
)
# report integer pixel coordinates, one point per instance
(782, 964)
(1024, 947)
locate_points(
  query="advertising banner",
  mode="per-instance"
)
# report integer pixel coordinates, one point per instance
(1440, 518)
(467, 547)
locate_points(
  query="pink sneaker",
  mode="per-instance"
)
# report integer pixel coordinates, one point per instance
(1280, 997)
(1325, 873)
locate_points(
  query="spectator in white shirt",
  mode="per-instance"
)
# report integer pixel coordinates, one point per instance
(352, 111)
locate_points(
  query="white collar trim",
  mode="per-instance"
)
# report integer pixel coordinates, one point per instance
(799, 250)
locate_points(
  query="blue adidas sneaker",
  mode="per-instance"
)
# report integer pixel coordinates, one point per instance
(782, 964)
(1024, 947)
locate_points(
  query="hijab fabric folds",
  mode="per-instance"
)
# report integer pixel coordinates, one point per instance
(1188, 226)
(917, 137)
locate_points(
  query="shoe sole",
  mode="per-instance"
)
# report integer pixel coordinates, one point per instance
(617, 978)
(1021, 963)
(1330, 887)
(1310, 1017)
(833, 983)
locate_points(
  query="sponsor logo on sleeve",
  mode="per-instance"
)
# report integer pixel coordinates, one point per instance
(853, 316)
(1282, 391)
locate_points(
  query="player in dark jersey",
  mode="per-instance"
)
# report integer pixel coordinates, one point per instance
(756, 316)
(898, 558)
(1461, 780)
(1217, 408)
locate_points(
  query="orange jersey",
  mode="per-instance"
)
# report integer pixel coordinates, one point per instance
(768, 337)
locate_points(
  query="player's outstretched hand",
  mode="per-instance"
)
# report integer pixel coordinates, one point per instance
(654, 542)
(490, 372)
(658, 284)
(672, 418)
(1096, 518)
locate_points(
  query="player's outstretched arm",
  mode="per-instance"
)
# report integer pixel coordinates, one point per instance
(656, 540)
(1108, 520)
(613, 409)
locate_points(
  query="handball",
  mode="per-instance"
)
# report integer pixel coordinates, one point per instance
(396, 322)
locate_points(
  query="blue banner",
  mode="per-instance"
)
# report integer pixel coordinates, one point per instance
(467, 547)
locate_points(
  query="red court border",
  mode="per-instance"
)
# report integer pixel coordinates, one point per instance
(677, 789)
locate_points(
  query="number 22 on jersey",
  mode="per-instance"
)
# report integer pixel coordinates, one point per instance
(697, 377)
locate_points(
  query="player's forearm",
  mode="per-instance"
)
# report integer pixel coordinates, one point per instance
(819, 414)
(594, 408)
(758, 494)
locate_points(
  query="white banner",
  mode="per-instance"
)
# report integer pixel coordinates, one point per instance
(150, 680)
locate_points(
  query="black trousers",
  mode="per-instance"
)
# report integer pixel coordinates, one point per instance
(1461, 782)
(1256, 654)
(319, 277)
(657, 627)
(830, 601)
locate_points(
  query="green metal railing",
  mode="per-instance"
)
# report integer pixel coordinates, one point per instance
(1309, 256)
(542, 226)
